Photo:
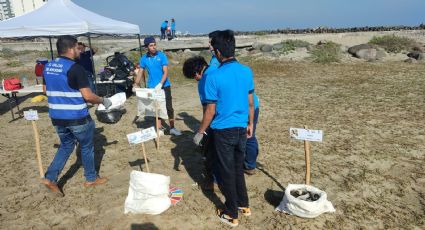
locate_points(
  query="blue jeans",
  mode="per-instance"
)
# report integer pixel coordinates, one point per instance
(69, 135)
(252, 146)
(230, 147)
(162, 33)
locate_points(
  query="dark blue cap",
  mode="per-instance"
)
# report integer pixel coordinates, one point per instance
(149, 40)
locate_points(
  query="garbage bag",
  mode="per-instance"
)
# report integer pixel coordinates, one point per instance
(147, 193)
(305, 201)
(114, 113)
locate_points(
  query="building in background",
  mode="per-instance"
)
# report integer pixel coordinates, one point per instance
(21, 7)
(6, 10)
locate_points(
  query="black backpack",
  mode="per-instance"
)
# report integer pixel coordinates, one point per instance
(122, 65)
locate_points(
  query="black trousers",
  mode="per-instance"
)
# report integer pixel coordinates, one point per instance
(169, 102)
(230, 147)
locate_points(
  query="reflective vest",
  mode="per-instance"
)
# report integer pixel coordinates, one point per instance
(64, 102)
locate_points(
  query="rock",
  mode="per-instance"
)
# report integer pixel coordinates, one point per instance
(367, 54)
(354, 49)
(380, 54)
(278, 46)
(411, 60)
(419, 48)
(187, 51)
(257, 45)
(267, 48)
(301, 49)
(416, 55)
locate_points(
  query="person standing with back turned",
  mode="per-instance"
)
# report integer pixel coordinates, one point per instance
(230, 106)
(67, 89)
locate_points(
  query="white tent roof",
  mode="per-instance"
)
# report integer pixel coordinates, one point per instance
(62, 17)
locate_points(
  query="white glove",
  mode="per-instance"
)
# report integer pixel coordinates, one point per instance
(106, 102)
(198, 138)
(158, 87)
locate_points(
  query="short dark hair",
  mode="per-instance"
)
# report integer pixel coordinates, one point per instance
(64, 43)
(224, 42)
(213, 34)
(193, 65)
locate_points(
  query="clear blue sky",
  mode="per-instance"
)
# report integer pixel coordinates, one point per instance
(202, 16)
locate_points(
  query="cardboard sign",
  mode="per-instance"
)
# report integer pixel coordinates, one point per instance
(306, 134)
(142, 136)
(31, 115)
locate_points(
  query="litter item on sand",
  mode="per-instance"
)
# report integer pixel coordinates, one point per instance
(304, 201)
(147, 193)
(176, 195)
(38, 98)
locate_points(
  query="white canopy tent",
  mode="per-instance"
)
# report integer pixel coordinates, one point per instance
(63, 17)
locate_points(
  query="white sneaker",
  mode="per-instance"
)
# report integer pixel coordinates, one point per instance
(175, 132)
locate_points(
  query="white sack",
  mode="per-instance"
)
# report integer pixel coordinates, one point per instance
(146, 105)
(117, 102)
(148, 193)
(302, 208)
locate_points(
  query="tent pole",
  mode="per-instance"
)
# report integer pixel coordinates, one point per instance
(140, 45)
(51, 48)
(92, 63)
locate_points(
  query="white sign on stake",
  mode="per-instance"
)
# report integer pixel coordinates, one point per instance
(306, 134)
(142, 136)
(31, 115)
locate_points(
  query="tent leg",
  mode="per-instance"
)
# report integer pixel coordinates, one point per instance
(92, 63)
(51, 47)
(140, 51)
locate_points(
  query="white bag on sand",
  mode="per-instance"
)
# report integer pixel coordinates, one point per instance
(303, 208)
(146, 105)
(117, 102)
(148, 193)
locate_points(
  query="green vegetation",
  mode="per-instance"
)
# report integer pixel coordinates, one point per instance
(14, 64)
(326, 53)
(290, 45)
(133, 56)
(392, 43)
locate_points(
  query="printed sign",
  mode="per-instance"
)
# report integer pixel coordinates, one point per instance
(142, 136)
(306, 134)
(31, 115)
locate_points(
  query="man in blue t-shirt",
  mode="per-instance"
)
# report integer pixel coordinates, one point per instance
(155, 64)
(86, 60)
(164, 26)
(173, 28)
(214, 63)
(230, 113)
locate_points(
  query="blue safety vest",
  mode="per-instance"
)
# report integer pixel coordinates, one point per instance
(64, 102)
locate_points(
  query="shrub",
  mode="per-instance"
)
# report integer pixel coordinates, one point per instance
(392, 43)
(291, 45)
(326, 53)
(14, 64)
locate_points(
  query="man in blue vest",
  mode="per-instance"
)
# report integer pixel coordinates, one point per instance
(155, 64)
(68, 90)
(230, 113)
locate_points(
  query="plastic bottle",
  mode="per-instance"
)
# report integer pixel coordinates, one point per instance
(24, 81)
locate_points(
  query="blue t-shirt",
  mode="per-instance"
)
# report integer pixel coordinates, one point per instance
(214, 62)
(256, 101)
(228, 87)
(173, 25)
(201, 83)
(164, 25)
(153, 65)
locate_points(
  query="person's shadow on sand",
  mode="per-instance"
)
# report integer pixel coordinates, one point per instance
(187, 154)
(99, 142)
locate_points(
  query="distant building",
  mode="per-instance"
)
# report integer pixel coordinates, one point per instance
(6, 10)
(14, 8)
(21, 7)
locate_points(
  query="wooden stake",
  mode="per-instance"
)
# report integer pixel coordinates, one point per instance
(307, 160)
(144, 156)
(37, 148)
(157, 126)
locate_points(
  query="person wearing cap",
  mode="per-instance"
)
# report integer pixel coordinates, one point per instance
(67, 89)
(155, 64)
(173, 28)
(86, 61)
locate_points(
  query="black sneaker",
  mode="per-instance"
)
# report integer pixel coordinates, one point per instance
(227, 219)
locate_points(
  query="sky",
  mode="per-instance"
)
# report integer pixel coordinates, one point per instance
(203, 16)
